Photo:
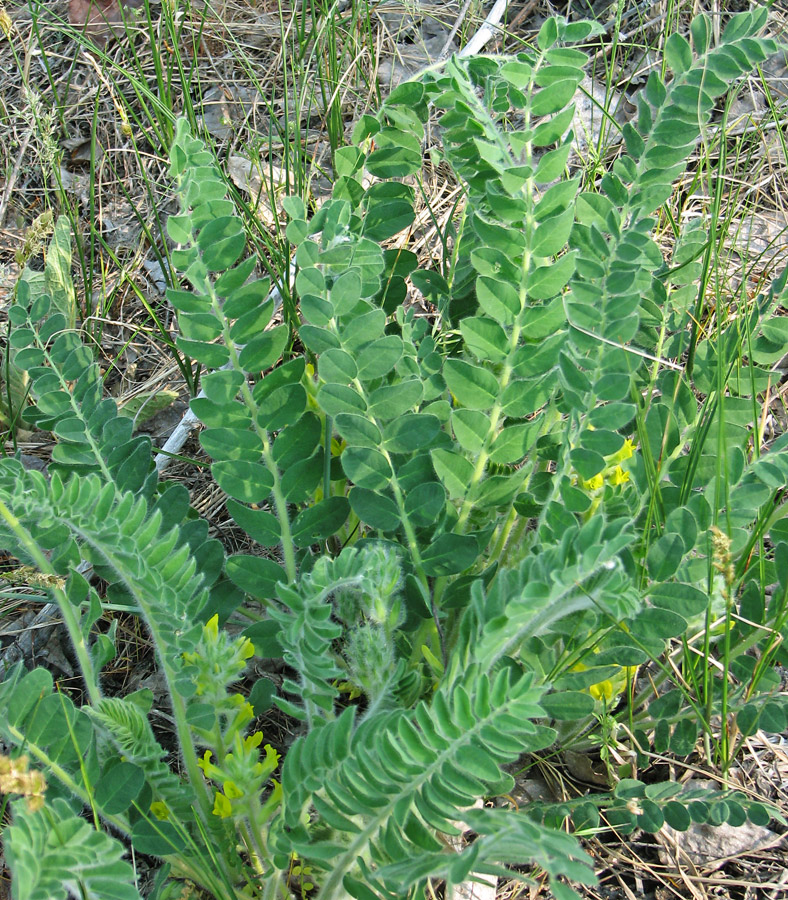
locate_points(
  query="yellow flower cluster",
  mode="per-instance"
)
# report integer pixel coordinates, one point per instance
(218, 661)
(613, 473)
(241, 774)
(16, 778)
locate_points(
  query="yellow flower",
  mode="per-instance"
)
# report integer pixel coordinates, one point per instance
(210, 770)
(271, 760)
(231, 790)
(626, 452)
(611, 688)
(160, 810)
(211, 628)
(253, 740)
(594, 483)
(221, 806)
(347, 687)
(273, 801)
(618, 476)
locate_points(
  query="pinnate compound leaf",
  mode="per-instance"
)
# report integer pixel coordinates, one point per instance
(55, 855)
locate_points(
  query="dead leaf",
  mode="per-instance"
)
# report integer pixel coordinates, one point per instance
(261, 182)
(96, 18)
(708, 847)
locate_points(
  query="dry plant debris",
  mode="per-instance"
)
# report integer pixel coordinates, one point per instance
(97, 17)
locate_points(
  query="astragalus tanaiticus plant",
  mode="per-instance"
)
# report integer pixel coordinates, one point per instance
(467, 532)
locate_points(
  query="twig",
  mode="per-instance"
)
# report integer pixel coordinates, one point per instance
(13, 177)
(455, 28)
(522, 15)
(487, 31)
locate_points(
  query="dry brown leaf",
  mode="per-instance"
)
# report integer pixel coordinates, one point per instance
(97, 17)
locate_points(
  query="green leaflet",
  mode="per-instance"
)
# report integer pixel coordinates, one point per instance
(318, 522)
(56, 854)
(376, 509)
(472, 386)
(246, 481)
